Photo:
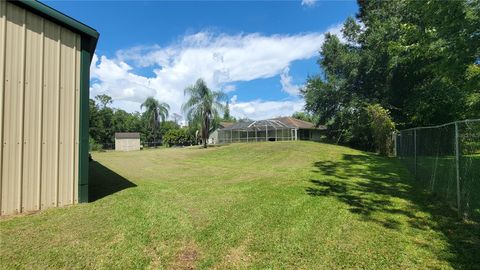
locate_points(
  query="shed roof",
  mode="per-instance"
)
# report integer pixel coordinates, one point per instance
(274, 123)
(127, 135)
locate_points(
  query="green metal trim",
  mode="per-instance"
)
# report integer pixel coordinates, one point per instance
(58, 16)
(62, 19)
(85, 57)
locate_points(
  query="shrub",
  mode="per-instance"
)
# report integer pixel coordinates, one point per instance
(361, 133)
(381, 128)
(178, 137)
(94, 146)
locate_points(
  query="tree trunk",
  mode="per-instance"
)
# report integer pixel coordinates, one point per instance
(205, 131)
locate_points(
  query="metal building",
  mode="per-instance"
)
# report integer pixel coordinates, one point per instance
(44, 78)
(127, 141)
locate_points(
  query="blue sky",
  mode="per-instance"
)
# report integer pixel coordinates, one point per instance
(258, 52)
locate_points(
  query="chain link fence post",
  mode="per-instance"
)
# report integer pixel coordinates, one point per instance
(415, 151)
(394, 141)
(457, 165)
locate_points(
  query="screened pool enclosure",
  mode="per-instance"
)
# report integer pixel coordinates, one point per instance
(278, 129)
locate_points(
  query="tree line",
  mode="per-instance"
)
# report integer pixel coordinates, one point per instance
(105, 121)
(202, 110)
(398, 64)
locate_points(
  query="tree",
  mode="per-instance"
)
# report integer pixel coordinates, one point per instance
(202, 107)
(101, 117)
(226, 114)
(123, 121)
(155, 113)
(417, 60)
(176, 118)
(166, 126)
(94, 121)
(303, 116)
(104, 100)
(178, 137)
(381, 127)
(244, 120)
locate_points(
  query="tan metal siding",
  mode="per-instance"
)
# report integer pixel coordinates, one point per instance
(32, 115)
(50, 115)
(39, 105)
(3, 38)
(67, 98)
(13, 109)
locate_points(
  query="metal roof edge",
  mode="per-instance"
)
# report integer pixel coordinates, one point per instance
(127, 135)
(58, 17)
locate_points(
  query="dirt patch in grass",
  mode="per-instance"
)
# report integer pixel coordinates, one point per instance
(236, 258)
(154, 254)
(187, 257)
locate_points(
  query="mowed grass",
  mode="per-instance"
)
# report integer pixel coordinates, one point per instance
(283, 205)
(439, 173)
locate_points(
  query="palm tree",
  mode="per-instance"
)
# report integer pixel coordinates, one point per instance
(202, 107)
(155, 113)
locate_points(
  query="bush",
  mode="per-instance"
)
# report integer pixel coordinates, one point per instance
(365, 126)
(361, 133)
(381, 128)
(178, 137)
(94, 146)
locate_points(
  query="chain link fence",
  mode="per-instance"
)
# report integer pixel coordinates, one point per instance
(446, 160)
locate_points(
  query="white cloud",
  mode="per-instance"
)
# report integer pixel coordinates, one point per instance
(116, 79)
(229, 88)
(308, 3)
(233, 100)
(260, 109)
(220, 59)
(287, 85)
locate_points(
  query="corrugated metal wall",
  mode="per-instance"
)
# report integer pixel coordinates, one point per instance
(39, 112)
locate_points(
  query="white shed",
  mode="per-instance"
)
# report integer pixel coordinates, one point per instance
(127, 141)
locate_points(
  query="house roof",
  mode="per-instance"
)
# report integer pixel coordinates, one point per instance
(226, 124)
(300, 124)
(127, 135)
(274, 123)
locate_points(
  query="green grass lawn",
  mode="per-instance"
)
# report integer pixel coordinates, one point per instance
(284, 205)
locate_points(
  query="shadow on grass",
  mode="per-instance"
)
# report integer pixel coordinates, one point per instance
(104, 182)
(369, 186)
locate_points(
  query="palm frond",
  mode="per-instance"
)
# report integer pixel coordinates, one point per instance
(202, 106)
